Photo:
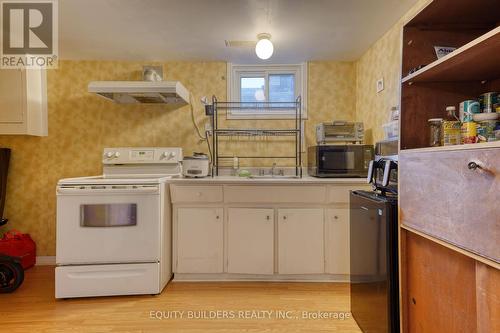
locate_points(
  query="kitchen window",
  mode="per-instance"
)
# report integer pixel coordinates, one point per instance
(266, 83)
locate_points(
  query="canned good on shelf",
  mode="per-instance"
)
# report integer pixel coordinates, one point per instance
(488, 101)
(486, 131)
(469, 132)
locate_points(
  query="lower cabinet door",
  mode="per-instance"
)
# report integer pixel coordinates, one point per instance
(250, 236)
(301, 241)
(200, 245)
(337, 241)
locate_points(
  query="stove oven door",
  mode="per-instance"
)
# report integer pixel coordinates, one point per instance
(108, 224)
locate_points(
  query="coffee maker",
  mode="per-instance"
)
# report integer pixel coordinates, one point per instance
(383, 170)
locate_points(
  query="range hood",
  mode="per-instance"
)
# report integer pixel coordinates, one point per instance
(151, 91)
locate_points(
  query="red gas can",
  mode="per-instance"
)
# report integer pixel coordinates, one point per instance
(16, 244)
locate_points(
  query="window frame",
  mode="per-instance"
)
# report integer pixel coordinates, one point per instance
(235, 72)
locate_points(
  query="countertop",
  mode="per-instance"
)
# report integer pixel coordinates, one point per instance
(268, 180)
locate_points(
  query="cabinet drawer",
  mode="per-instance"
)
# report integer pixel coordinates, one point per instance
(340, 193)
(442, 197)
(182, 193)
(275, 194)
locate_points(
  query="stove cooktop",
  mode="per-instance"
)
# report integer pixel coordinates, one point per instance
(103, 180)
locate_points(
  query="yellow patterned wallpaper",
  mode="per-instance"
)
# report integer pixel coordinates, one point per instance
(82, 124)
(381, 60)
(331, 93)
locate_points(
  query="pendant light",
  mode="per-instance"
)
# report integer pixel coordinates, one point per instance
(264, 48)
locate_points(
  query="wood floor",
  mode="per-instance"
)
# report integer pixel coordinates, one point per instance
(32, 308)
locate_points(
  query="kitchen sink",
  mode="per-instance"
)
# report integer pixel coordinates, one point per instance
(272, 177)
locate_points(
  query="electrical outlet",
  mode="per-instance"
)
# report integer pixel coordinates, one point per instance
(380, 85)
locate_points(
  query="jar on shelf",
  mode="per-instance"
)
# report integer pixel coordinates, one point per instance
(435, 131)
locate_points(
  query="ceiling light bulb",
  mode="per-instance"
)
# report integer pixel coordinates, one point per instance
(264, 48)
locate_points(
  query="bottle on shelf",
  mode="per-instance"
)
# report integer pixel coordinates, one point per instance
(451, 127)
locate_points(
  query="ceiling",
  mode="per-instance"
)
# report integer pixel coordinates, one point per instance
(147, 30)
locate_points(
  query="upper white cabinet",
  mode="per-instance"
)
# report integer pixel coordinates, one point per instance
(23, 102)
(300, 241)
(250, 241)
(199, 240)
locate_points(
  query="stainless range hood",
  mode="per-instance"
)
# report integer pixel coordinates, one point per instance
(150, 91)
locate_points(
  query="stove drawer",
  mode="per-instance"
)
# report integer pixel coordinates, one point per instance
(186, 193)
(107, 280)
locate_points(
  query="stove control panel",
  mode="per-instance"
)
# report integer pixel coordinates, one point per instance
(142, 155)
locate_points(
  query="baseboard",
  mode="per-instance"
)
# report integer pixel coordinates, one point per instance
(191, 277)
(45, 260)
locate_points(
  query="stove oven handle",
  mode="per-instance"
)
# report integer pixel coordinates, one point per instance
(106, 189)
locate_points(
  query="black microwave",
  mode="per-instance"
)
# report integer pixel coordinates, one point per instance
(339, 161)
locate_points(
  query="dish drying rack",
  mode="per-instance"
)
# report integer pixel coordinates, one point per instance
(296, 132)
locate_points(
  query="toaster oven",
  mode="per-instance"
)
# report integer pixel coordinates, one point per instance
(339, 131)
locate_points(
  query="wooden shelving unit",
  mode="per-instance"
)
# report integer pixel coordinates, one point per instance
(476, 61)
(448, 196)
(457, 13)
(472, 69)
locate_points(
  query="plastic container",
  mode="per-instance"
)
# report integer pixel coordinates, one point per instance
(391, 129)
(394, 113)
(16, 244)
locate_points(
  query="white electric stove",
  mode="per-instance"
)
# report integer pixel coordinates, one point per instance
(114, 231)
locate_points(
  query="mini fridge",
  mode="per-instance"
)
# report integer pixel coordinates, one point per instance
(374, 261)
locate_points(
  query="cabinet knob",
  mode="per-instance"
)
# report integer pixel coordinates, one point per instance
(336, 217)
(473, 165)
(268, 217)
(284, 217)
(217, 217)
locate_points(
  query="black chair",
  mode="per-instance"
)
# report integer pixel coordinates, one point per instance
(11, 274)
(4, 170)
(11, 270)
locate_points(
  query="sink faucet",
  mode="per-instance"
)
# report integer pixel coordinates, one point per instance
(272, 169)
